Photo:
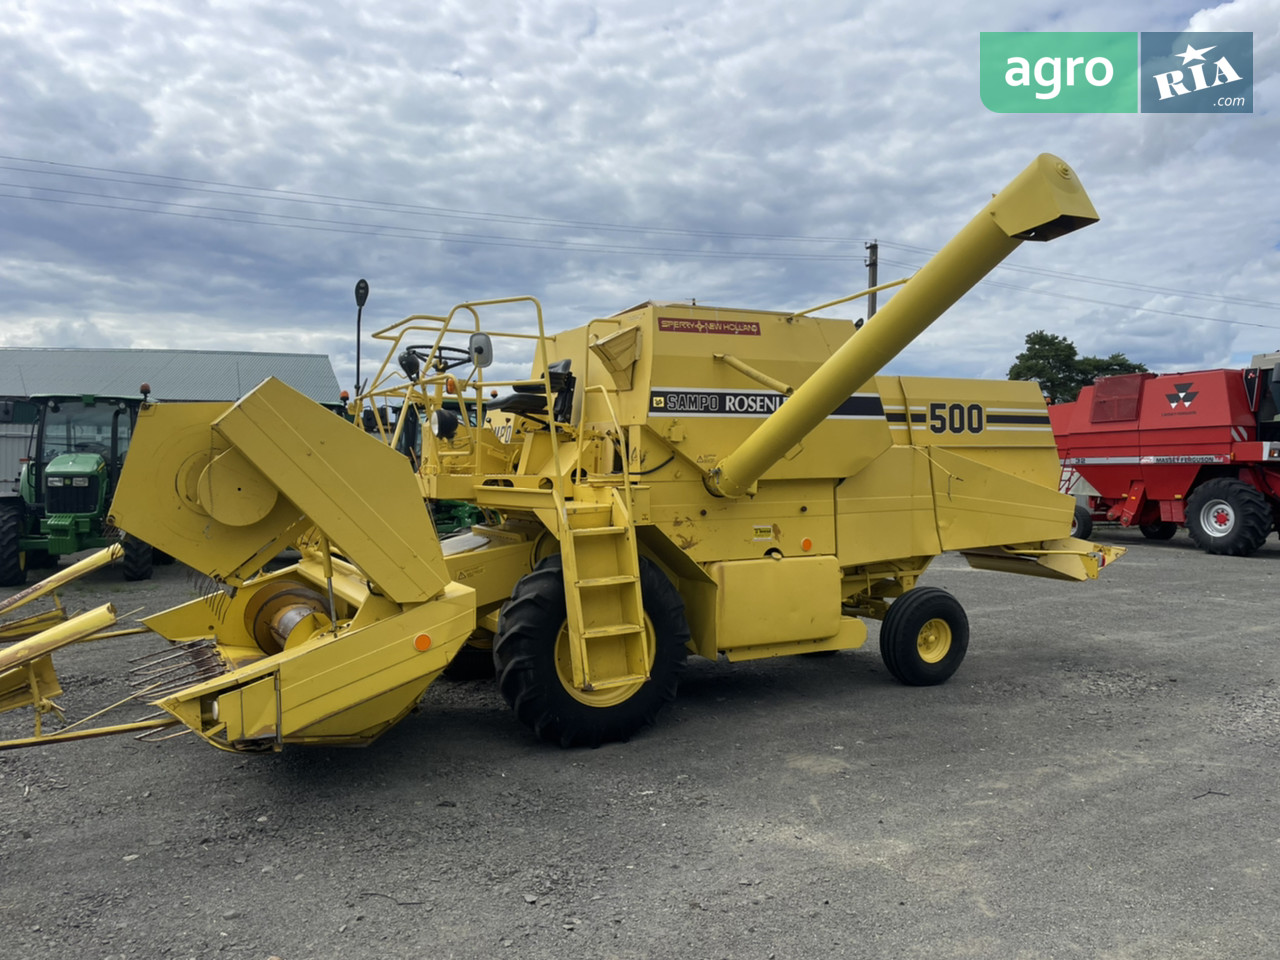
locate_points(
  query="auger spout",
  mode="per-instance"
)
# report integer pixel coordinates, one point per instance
(1043, 202)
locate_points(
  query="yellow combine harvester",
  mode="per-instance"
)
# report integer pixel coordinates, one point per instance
(674, 479)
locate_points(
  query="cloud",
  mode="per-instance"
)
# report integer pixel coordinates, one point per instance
(594, 155)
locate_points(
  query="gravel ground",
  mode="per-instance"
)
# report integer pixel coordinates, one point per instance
(1097, 781)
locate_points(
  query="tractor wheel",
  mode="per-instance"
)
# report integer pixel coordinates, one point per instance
(531, 655)
(1082, 523)
(13, 560)
(924, 636)
(137, 559)
(1229, 517)
(1159, 530)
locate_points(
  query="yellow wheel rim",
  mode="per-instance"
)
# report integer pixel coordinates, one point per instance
(933, 642)
(610, 659)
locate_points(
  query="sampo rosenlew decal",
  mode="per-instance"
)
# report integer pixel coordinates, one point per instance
(712, 402)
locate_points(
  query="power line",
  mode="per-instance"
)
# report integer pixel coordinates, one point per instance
(1105, 282)
(1104, 303)
(395, 231)
(408, 233)
(296, 196)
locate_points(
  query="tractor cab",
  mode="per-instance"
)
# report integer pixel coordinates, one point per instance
(77, 452)
(73, 464)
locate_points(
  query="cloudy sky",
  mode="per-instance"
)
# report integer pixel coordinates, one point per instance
(217, 174)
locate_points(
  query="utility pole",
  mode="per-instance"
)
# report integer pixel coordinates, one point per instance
(873, 263)
(362, 294)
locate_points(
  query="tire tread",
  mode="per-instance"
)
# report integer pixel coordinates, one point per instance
(524, 656)
(1253, 517)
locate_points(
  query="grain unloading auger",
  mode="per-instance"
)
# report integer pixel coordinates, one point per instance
(674, 479)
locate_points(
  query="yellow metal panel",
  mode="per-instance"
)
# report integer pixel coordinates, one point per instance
(363, 722)
(337, 676)
(157, 499)
(492, 569)
(1067, 558)
(234, 492)
(357, 683)
(887, 510)
(250, 712)
(722, 406)
(852, 635)
(780, 517)
(978, 506)
(358, 490)
(775, 601)
(998, 414)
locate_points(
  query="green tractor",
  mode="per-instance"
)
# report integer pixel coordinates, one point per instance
(76, 454)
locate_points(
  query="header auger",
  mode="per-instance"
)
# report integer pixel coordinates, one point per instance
(671, 480)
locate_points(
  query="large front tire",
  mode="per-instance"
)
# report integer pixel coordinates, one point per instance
(13, 561)
(530, 656)
(924, 637)
(1228, 517)
(137, 559)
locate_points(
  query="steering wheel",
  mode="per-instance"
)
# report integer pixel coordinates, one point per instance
(449, 357)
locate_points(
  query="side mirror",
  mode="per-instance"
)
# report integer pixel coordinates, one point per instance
(481, 349)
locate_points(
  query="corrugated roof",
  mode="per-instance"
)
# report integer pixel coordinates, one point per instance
(172, 374)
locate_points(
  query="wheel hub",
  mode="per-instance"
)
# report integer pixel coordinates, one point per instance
(615, 657)
(1219, 518)
(934, 641)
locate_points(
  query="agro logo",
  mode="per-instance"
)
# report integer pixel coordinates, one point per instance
(1173, 83)
(1182, 396)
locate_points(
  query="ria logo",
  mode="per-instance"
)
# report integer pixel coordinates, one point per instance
(1197, 73)
(1182, 397)
(1172, 83)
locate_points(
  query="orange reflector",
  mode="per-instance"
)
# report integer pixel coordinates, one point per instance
(806, 544)
(422, 642)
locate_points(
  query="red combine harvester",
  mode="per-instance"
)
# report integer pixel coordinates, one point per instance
(1199, 449)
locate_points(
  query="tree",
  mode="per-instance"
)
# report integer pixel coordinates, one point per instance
(1051, 361)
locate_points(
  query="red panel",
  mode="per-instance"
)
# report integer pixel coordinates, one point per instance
(1116, 398)
(1161, 430)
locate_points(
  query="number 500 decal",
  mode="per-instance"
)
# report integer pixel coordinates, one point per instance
(956, 418)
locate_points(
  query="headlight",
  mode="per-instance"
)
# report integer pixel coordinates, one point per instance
(79, 481)
(444, 424)
(56, 481)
